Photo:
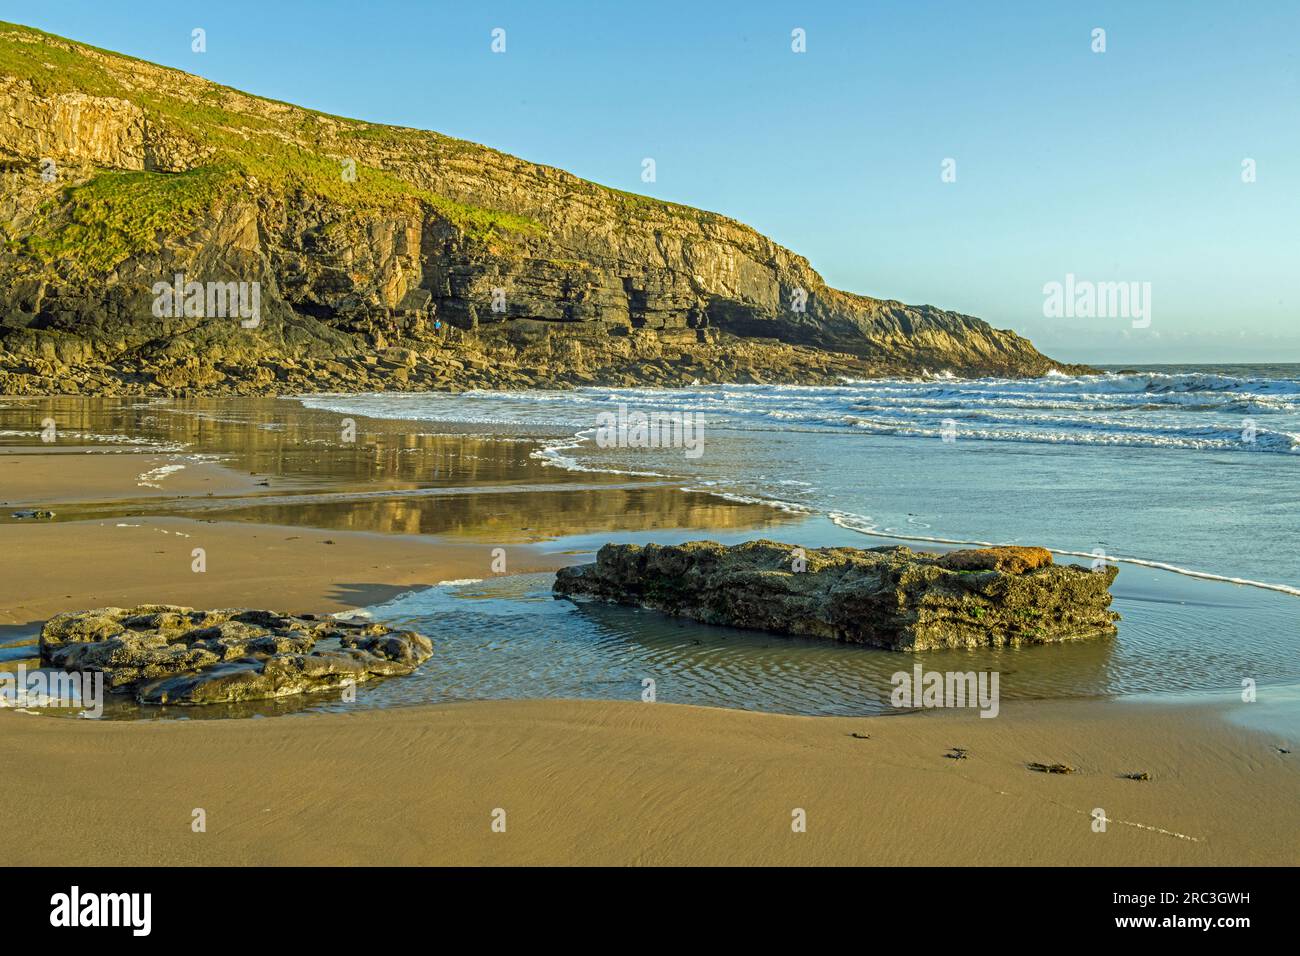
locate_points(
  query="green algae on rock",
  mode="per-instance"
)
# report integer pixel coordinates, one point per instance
(164, 654)
(889, 597)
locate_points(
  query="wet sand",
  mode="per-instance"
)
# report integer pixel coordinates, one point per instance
(42, 478)
(594, 782)
(148, 560)
(288, 517)
(581, 781)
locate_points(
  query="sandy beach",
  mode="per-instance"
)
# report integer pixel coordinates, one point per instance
(585, 782)
(147, 559)
(589, 466)
(580, 781)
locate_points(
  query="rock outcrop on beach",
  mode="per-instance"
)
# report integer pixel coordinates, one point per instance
(889, 597)
(162, 654)
(311, 252)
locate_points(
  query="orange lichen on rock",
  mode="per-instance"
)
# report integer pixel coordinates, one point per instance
(1011, 559)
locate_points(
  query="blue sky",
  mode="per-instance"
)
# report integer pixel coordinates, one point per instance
(1116, 166)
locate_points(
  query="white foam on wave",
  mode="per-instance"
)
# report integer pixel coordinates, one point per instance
(1191, 411)
(855, 523)
(789, 507)
(353, 614)
(150, 478)
(551, 455)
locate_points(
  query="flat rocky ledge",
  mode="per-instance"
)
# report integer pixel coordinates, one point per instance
(890, 597)
(162, 654)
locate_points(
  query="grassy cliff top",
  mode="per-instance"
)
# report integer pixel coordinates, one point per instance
(288, 146)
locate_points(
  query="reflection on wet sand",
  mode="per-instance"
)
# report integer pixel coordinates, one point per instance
(390, 476)
(270, 491)
(514, 516)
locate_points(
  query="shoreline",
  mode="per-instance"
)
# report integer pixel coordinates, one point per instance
(584, 781)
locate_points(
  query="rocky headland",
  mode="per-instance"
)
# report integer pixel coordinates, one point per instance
(162, 654)
(889, 597)
(310, 252)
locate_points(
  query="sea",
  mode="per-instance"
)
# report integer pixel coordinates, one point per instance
(1186, 477)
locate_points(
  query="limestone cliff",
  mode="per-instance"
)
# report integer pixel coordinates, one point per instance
(358, 239)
